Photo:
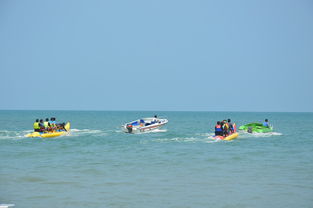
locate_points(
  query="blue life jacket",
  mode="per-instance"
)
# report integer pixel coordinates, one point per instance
(265, 124)
(218, 128)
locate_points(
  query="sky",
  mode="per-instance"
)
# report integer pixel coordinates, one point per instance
(166, 55)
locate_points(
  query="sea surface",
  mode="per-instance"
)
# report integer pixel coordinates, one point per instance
(179, 166)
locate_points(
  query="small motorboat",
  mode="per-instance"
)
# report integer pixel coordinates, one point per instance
(144, 125)
(256, 128)
(57, 133)
(227, 138)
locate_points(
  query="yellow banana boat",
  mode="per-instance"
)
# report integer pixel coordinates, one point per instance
(67, 128)
(228, 138)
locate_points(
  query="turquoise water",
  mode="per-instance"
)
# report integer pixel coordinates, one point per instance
(179, 166)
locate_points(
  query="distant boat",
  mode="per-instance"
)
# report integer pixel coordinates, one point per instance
(144, 125)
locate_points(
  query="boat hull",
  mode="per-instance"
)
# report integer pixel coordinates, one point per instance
(228, 138)
(51, 134)
(134, 129)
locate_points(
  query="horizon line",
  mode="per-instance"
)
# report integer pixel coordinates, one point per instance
(233, 111)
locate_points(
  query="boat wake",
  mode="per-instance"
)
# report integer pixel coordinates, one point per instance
(86, 132)
(153, 131)
(244, 134)
(6, 134)
(184, 140)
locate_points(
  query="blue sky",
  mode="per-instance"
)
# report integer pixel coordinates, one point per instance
(156, 55)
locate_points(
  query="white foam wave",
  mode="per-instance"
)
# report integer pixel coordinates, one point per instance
(84, 132)
(153, 131)
(204, 134)
(157, 130)
(244, 134)
(5, 134)
(185, 139)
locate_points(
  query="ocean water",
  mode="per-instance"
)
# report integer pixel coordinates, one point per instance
(179, 166)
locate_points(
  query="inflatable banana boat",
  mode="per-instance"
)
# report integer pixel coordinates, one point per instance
(228, 138)
(67, 128)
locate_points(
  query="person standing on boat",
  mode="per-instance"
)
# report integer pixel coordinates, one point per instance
(266, 124)
(218, 129)
(36, 126)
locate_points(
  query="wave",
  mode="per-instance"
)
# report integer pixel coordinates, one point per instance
(6, 134)
(85, 132)
(154, 131)
(182, 140)
(159, 130)
(244, 134)
(205, 134)
(208, 138)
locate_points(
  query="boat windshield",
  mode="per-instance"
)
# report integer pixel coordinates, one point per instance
(135, 123)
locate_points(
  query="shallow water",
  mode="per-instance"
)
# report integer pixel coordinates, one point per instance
(179, 166)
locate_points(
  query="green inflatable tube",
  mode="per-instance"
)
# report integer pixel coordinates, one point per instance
(256, 127)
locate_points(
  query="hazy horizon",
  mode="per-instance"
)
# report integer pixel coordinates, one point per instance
(154, 110)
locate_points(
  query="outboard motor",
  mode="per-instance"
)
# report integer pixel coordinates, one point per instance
(129, 127)
(250, 130)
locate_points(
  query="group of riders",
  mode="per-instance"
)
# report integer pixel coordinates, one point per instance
(48, 126)
(225, 128)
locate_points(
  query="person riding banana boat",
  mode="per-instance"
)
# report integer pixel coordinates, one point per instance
(36, 126)
(225, 130)
(46, 126)
(49, 128)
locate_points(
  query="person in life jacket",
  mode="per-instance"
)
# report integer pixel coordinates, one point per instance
(232, 126)
(266, 124)
(218, 129)
(52, 122)
(53, 125)
(225, 128)
(46, 124)
(36, 126)
(41, 125)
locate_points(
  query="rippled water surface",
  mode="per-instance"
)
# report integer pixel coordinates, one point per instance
(97, 165)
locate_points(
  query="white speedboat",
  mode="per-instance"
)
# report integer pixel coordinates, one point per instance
(144, 125)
